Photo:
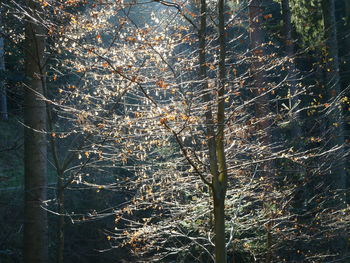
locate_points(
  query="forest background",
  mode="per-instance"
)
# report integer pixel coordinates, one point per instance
(174, 131)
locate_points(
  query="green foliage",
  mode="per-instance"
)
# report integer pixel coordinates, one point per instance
(307, 18)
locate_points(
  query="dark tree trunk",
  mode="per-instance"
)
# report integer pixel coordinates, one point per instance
(344, 41)
(3, 96)
(291, 69)
(259, 86)
(337, 176)
(345, 74)
(334, 89)
(257, 39)
(220, 179)
(35, 145)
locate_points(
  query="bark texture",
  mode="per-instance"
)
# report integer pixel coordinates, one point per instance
(218, 168)
(35, 145)
(220, 181)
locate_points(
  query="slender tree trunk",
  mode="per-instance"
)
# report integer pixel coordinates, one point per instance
(346, 72)
(220, 181)
(334, 89)
(257, 36)
(258, 78)
(35, 145)
(215, 141)
(344, 43)
(257, 41)
(291, 69)
(219, 226)
(3, 96)
(337, 177)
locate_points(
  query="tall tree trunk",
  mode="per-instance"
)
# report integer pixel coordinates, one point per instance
(257, 39)
(3, 96)
(345, 76)
(344, 42)
(221, 100)
(291, 69)
(337, 177)
(334, 89)
(220, 180)
(35, 145)
(259, 85)
(218, 168)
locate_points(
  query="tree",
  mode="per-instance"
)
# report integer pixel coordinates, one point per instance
(337, 178)
(291, 68)
(215, 132)
(3, 97)
(334, 92)
(258, 78)
(35, 145)
(202, 118)
(219, 171)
